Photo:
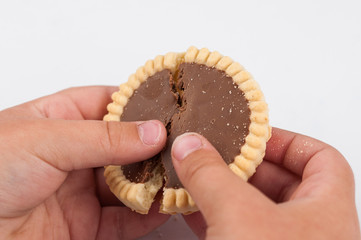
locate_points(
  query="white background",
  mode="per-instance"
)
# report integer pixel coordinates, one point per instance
(306, 55)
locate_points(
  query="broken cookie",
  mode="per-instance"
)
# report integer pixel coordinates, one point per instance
(196, 91)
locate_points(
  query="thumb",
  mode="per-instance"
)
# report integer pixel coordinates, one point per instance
(71, 144)
(217, 191)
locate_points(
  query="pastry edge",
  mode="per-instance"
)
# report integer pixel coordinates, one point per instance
(177, 201)
(137, 196)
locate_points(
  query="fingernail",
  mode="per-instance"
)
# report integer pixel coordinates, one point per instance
(149, 132)
(185, 144)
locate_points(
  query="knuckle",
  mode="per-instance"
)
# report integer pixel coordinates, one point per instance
(112, 140)
(120, 138)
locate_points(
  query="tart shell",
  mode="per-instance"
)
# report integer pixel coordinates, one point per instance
(139, 196)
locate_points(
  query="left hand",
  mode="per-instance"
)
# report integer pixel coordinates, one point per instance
(52, 153)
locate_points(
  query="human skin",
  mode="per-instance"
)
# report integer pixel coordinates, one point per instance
(52, 153)
(304, 189)
(52, 184)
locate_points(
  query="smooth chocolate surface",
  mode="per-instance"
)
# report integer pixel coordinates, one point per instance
(199, 99)
(154, 99)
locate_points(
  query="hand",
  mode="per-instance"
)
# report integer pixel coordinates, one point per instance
(304, 189)
(52, 153)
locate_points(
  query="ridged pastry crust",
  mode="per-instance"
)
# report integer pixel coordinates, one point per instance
(139, 196)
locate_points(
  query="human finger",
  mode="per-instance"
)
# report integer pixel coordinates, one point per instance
(306, 156)
(91, 101)
(275, 181)
(210, 182)
(69, 145)
(292, 150)
(76, 103)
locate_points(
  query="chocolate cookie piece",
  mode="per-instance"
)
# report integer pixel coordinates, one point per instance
(196, 91)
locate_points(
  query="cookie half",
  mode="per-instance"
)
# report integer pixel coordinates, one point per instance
(196, 91)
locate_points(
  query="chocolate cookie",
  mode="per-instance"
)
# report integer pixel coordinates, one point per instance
(197, 91)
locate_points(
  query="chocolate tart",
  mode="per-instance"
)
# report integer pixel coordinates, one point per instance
(196, 91)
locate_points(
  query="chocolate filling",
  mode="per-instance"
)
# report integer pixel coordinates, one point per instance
(154, 99)
(196, 98)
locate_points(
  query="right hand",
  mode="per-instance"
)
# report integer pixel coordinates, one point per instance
(304, 189)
